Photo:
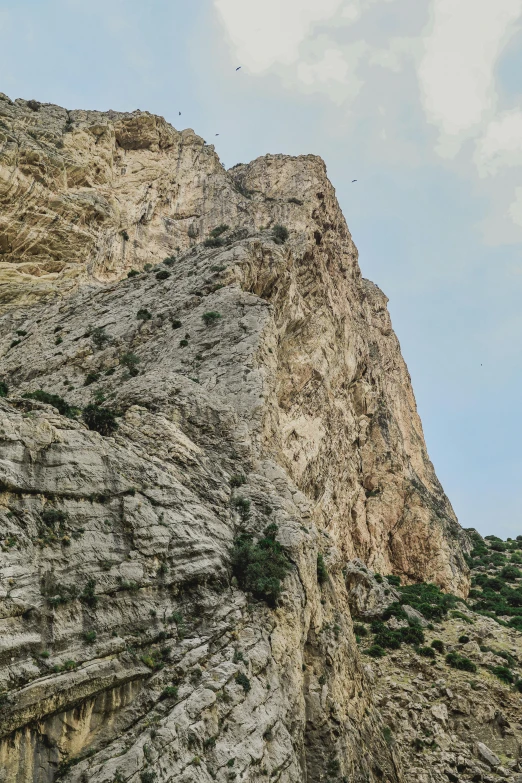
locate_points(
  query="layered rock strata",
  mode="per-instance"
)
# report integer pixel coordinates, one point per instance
(128, 652)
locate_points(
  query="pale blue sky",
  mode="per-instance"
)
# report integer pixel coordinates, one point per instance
(420, 100)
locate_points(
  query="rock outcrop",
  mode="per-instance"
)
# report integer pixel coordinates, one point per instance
(448, 691)
(255, 382)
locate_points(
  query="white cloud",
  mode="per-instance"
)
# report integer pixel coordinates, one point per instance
(515, 208)
(501, 144)
(332, 66)
(456, 71)
(269, 32)
(400, 50)
(351, 11)
(335, 73)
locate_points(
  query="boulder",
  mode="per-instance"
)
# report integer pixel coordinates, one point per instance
(486, 755)
(413, 614)
(366, 596)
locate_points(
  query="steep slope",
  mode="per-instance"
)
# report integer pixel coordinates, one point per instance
(240, 360)
(449, 693)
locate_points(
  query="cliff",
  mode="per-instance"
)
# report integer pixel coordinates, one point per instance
(254, 382)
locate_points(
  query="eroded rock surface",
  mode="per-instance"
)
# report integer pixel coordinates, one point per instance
(127, 652)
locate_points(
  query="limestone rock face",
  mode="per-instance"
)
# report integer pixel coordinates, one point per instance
(253, 383)
(89, 195)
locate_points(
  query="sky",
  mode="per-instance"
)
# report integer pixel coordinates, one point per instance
(419, 100)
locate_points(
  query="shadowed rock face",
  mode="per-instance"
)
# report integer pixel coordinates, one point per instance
(298, 386)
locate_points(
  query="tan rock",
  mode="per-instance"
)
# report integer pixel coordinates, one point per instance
(293, 407)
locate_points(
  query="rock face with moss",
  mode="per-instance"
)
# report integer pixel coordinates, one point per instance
(191, 457)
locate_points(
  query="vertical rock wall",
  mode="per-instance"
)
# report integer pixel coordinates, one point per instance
(128, 652)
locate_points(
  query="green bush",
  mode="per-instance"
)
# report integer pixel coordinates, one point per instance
(90, 637)
(388, 736)
(61, 594)
(413, 634)
(100, 337)
(102, 420)
(147, 776)
(170, 692)
(214, 242)
(322, 571)
(428, 652)
(237, 480)
(169, 261)
(216, 232)
(4, 389)
(133, 273)
(387, 639)
(462, 616)
(394, 610)
(242, 506)
(261, 566)
(130, 361)
(243, 680)
(394, 580)
(280, 234)
(52, 517)
(88, 595)
(507, 656)
(463, 639)
(241, 188)
(438, 645)
(176, 323)
(428, 599)
(155, 659)
(503, 673)
(510, 573)
(392, 640)
(333, 767)
(143, 314)
(360, 630)
(375, 651)
(91, 377)
(162, 274)
(183, 343)
(51, 399)
(211, 317)
(457, 661)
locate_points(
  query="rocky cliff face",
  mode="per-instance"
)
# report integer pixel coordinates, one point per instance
(254, 383)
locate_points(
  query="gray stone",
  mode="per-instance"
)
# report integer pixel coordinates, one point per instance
(414, 615)
(367, 597)
(485, 754)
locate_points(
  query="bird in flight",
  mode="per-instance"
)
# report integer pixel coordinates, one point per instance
(217, 134)
(238, 69)
(180, 114)
(354, 180)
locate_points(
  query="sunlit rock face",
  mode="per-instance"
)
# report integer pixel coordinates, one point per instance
(127, 650)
